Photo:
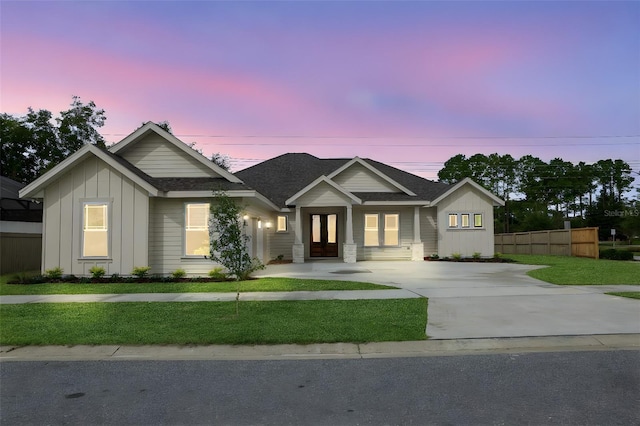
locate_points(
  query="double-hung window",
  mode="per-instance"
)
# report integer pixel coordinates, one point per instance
(390, 231)
(196, 233)
(95, 229)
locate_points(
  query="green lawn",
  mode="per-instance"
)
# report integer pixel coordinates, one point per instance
(262, 284)
(183, 323)
(566, 270)
(629, 294)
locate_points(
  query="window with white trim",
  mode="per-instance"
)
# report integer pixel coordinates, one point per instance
(95, 229)
(196, 229)
(464, 221)
(390, 231)
(282, 224)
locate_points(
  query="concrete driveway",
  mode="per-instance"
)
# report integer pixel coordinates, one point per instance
(475, 300)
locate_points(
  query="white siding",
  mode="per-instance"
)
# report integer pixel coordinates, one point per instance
(94, 180)
(465, 241)
(429, 230)
(358, 178)
(321, 195)
(403, 251)
(166, 242)
(157, 157)
(280, 243)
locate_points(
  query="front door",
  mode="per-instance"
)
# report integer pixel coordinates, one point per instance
(324, 235)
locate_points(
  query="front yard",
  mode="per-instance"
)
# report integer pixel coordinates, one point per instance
(566, 270)
(183, 323)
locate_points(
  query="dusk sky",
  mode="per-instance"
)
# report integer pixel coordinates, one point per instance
(407, 83)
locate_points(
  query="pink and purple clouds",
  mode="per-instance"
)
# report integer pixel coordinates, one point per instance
(408, 83)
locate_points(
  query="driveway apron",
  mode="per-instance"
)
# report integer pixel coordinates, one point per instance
(479, 300)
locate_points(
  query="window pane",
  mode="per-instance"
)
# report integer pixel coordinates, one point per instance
(95, 216)
(197, 229)
(197, 243)
(332, 230)
(197, 216)
(95, 232)
(391, 229)
(282, 224)
(371, 230)
(477, 220)
(453, 221)
(465, 220)
(315, 226)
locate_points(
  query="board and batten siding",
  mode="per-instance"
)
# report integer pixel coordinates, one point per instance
(466, 241)
(357, 178)
(94, 180)
(158, 157)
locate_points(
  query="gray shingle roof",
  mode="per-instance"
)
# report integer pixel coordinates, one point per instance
(283, 176)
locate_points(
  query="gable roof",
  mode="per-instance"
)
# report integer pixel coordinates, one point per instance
(286, 175)
(497, 201)
(320, 180)
(34, 188)
(149, 127)
(358, 160)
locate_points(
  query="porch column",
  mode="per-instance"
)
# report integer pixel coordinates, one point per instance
(298, 245)
(417, 248)
(349, 249)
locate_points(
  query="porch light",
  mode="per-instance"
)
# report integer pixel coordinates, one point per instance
(268, 225)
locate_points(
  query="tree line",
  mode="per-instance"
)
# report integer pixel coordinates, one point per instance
(543, 195)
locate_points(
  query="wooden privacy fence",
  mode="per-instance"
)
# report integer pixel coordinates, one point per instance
(20, 252)
(581, 242)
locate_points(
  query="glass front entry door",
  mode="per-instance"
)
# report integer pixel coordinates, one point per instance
(324, 235)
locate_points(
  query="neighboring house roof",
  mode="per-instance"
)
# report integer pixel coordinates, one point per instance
(280, 178)
(12, 208)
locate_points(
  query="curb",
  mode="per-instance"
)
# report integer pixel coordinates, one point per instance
(323, 350)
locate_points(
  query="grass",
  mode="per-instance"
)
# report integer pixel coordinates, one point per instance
(202, 323)
(629, 294)
(566, 270)
(261, 284)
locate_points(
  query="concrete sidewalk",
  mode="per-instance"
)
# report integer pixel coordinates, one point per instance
(324, 350)
(211, 297)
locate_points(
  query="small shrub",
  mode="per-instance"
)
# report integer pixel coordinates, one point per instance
(255, 265)
(84, 280)
(54, 273)
(178, 273)
(97, 272)
(280, 257)
(434, 256)
(476, 255)
(614, 254)
(456, 256)
(497, 255)
(140, 271)
(218, 274)
(115, 278)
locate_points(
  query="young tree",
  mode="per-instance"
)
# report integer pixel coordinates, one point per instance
(229, 240)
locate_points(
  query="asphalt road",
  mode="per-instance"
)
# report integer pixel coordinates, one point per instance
(578, 388)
